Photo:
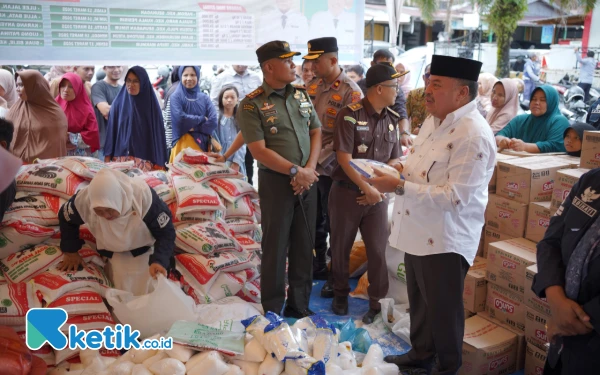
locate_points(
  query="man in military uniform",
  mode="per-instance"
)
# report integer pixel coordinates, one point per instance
(281, 129)
(330, 91)
(364, 130)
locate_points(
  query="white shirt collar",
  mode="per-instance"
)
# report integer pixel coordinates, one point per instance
(452, 117)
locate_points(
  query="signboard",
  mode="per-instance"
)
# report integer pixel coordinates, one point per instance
(547, 34)
(174, 32)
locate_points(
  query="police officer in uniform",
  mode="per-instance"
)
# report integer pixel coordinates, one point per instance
(364, 130)
(330, 91)
(283, 132)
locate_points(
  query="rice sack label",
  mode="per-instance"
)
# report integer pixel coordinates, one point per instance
(40, 209)
(52, 284)
(17, 235)
(15, 301)
(232, 189)
(206, 238)
(85, 167)
(192, 196)
(203, 172)
(51, 179)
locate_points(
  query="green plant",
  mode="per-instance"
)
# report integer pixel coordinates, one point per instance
(503, 18)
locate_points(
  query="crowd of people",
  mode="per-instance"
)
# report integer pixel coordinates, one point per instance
(304, 125)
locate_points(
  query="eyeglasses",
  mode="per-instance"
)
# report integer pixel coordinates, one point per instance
(395, 87)
(427, 75)
(132, 82)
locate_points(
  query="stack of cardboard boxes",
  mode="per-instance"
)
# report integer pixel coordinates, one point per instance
(525, 192)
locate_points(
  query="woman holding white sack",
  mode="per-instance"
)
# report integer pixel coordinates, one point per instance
(131, 224)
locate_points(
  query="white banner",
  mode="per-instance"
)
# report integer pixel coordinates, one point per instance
(110, 32)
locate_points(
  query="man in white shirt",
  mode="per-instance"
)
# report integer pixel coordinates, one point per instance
(586, 72)
(283, 20)
(439, 212)
(335, 21)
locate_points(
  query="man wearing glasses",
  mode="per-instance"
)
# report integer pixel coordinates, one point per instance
(103, 94)
(364, 130)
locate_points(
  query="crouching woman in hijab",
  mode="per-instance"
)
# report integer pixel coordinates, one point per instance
(131, 224)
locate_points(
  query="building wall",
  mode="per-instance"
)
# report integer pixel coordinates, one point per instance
(594, 41)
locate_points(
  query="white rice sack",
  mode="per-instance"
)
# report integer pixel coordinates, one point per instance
(65, 354)
(168, 366)
(248, 242)
(140, 370)
(227, 284)
(191, 156)
(16, 235)
(51, 179)
(374, 356)
(253, 351)
(198, 358)
(203, 172)
(231, 189)
(120, 165)
(84, 234)
(84, 167)
(234, 370)
(250, 292)
(257, 235)
(181, 353)
(366, 168)
(124, 368)
(82, 301)
(38, 209)
(193, 196)
(162, 189)
(333, 369)
(196, 271)
(155, 358)
(271, 366)
(16, 299)
(248, 368)
(256, 209)
(22, 266)
(45, 353)
(199, 216)
(89, 322)
(206, 238)
(252, 274)
(2, 278)
(241, 225)
(226, 261)
(53, 283)
(210, 365)
(241, 208)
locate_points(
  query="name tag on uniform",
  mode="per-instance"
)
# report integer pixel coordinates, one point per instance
(362, 128)
(305, 105)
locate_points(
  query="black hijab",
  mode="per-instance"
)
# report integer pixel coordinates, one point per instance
(579, 128)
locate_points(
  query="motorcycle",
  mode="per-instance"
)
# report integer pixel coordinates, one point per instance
(574, 107)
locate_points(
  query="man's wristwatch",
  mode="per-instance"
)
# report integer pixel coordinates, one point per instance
(293, 171)
(399, 189)
(404, 132)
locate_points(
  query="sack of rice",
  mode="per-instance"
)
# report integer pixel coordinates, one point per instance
(247, 242)
(162, 189)
(205, 238)
(84, 301)
(191, 156)
(16, 300)
(250, 292)
(192, 196)
(241, 225)
(89, 322)
(241, 208)
(51, 179)
(203, 172)
(85, 167)
(227, 284)
(53, 283)
(18, 235)
(195, 216)
(40, 209)
(231, 189)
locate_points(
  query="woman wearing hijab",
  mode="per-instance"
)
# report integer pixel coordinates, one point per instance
(83, 127)
(131, 224)
(505, 104)
(8, 94)
(573, 137)
(40, 124)
(57, 71)
(539, 132)
(167, 108)
(404, 81)
(486, 83)
(135, 129)
(192, 113)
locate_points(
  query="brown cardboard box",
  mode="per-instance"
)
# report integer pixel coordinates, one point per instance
(535, 359)
(507, 261)
(538, 220)
(565, 179)
(590, 149)
(535, 328)
(488, 349)
(506, 306)
(480, 248)
(499, 157)
(525, 154)
(531, 300)
(573, 161)
(506, 216)
(528, 179)
(490, 236)
(469, 314)
(521, 342)
(475, 286)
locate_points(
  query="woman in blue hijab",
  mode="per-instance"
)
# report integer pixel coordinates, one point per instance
(135, 129)
(539, 132)
(193, 115)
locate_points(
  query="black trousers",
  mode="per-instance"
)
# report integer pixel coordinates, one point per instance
(586, 90)
(323, 226)
(249, 161)
(285, 233)
(435, 286)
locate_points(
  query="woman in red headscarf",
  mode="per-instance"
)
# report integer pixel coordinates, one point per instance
(83, 127)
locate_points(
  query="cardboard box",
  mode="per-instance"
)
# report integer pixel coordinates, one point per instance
(507, 261)
(499, 157)
(565, 179)
(488, 349)
(469, 314)
(475, 286)
(525, 154)
(538, 219)
(590, 149)
(492, 235)
(535, 360)
(506, 216)
(528, 179)
(506, 306)
(531, 300)
(573, 161)
(535, 328)
(521, 342)
(480, 248)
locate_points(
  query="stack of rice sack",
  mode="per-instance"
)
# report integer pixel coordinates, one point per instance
(217, 216)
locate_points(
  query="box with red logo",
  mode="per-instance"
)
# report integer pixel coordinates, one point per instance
(529, 179)
(531, 300)
(492, 235)
(538, 220)
(590, 149)
(535, 328)
(565, 179)
(507, 261)
(535, 360)
(506, 216)
(475, 286)
(488, 349)
(499, 157)
(574, 161)
(521, 343)
(506, 306)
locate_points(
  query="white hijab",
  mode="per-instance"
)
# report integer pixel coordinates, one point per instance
(131, 197)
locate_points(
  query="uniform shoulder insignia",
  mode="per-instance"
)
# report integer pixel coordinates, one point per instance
(393, 112)
(355, 106)
(300, 87)
(255, 93)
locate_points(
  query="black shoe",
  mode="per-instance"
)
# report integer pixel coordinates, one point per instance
(339, 305)
(370, 316)
(406, 364)
(320, 273)
(292, 312)
(327, 290)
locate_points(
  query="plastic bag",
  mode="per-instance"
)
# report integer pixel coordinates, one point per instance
(140, 370)
(248, 368)
(168, 366)
(270, 366)
(396, 318)
(278, 338)
(359, 338)
(210, 365)
(253, 351)
(304, 365)
(153, 312)
(256, 327)
(374, 357)
(362, 288)
(203, 337)
(181, 353)
(346, 359)
(396, 275)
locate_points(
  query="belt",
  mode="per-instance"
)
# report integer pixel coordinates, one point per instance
(348, 185)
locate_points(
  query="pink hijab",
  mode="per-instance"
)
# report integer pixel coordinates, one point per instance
(404, 81)
(499, 117)
(487, 81)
